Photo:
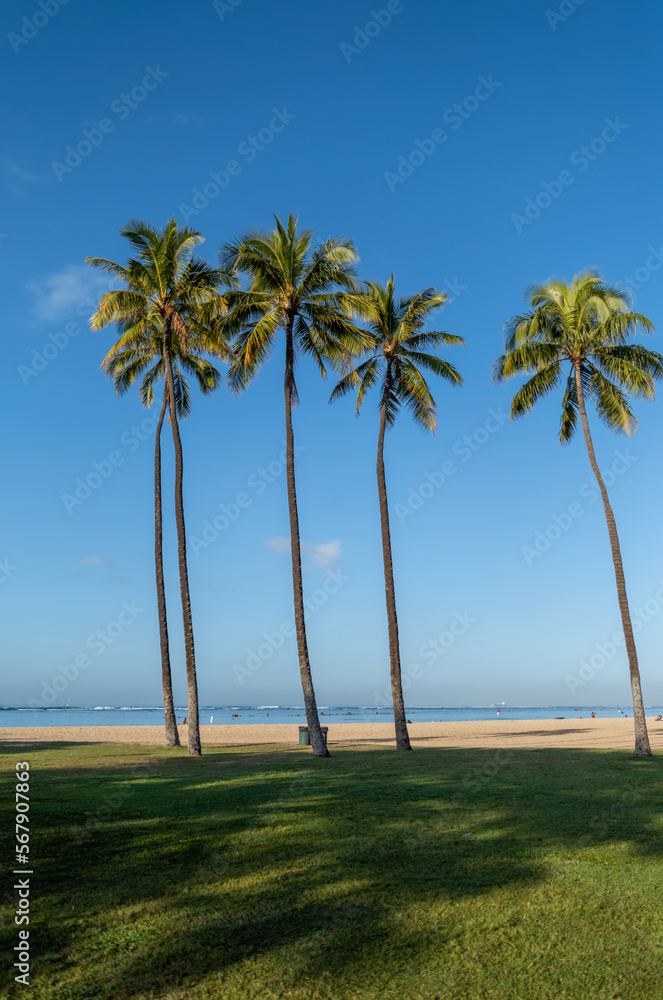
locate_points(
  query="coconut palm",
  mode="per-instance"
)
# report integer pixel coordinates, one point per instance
(397, 355)
(145, 360)
(586, 324)
(296, 289)
(166, 285)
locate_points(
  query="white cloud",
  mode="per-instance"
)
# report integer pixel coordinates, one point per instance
(280, 545)
(63, 291)
(323, 554)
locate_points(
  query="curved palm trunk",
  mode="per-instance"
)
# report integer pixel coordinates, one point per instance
(190, 656)
(642, 748)
(400, 722)
(172, 735)
(315, 733)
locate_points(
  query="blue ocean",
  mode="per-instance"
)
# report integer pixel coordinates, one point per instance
(110, 715)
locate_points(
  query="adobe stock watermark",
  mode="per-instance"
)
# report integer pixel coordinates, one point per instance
(42, 357)
(643, 273)
(247, 149)
(85, 486)
(581, 159)
(464, 449)
(256, 658)
(430, 652)
(563, 12)
(121, 108)
(97, 643)
(559, 524)
(476, 781)
(452, 288)
(256, 484)
(57, 342)
(7, 569)
(32, 25)
(606, 651)
(455, 116)
(223, 7)
(363, 36)
(97, 819)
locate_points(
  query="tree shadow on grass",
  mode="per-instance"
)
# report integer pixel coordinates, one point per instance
(209, 866)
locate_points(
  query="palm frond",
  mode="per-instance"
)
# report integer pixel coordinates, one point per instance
(539, 385)
(611, 403)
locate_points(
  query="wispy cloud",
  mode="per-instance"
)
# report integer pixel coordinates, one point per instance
(63, 291)
(112, 578)
(99, 569)
(183, 120)
(16, 171)
(322, 553)
(210, 583)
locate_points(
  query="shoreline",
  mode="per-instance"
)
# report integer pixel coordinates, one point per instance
(575, 733)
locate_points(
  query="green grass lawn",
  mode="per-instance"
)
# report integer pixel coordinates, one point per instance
(478, 874)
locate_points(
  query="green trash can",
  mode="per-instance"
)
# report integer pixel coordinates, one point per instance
(305, 739)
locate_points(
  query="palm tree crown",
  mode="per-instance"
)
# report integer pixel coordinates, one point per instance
(586, 323)
(396, 351)
(165, 282)
(293, 287)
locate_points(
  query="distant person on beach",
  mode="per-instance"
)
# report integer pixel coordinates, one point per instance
(184, 721)
(658, 718)
(593, 715)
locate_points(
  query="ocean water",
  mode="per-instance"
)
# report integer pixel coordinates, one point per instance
(109, 715)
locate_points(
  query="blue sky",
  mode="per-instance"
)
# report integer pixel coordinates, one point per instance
(474, 147)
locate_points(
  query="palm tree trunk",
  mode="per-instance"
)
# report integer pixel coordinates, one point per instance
(189, 650)
(642, 748)
(315, 733)
(172, 735)
(400, 722)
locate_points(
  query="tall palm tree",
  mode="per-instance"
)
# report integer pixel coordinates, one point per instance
(297, 289)
(586, 323)
(145, 360)
(395, 363)
(166, 285)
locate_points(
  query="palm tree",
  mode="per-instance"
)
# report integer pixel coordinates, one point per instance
(398, 340)
(586, 324)
(298, 290)
(124, 366)
(166, 285)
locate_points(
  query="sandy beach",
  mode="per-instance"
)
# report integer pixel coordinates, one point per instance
(573, 733)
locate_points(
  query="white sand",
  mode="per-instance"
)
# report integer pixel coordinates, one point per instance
(573, 732)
